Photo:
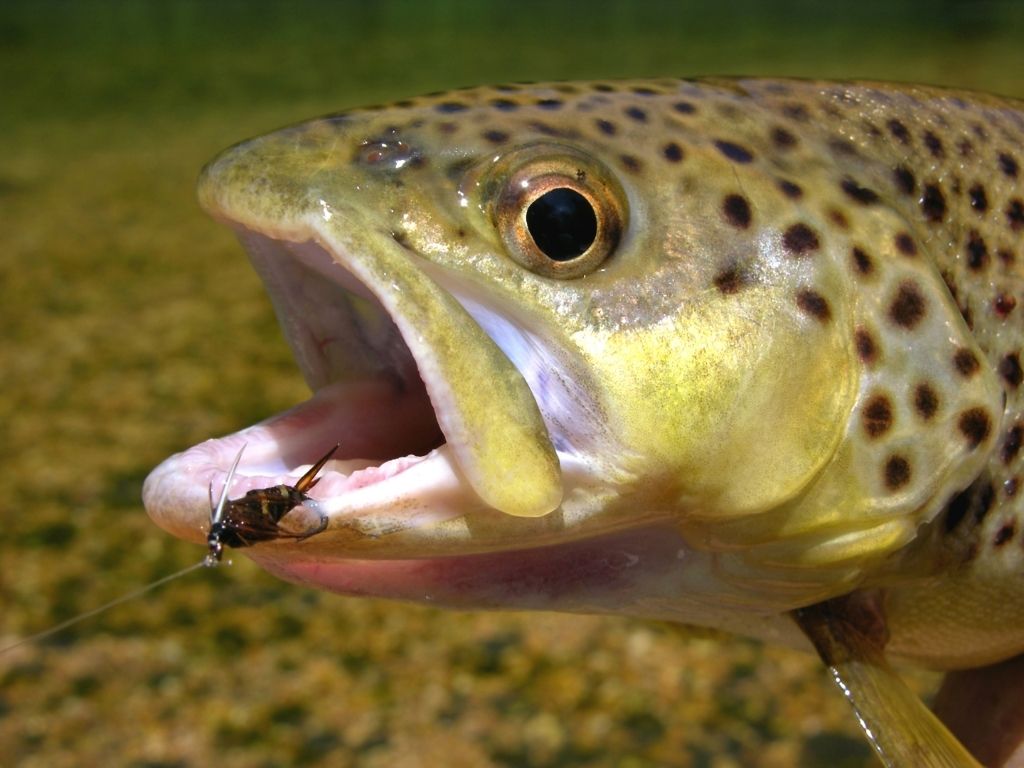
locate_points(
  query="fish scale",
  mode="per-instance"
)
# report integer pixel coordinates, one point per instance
(764, 376)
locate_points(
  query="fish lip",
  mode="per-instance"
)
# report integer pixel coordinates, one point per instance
(279, 449)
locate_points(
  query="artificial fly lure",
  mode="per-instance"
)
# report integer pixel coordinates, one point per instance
(255, 517)
(235, 523)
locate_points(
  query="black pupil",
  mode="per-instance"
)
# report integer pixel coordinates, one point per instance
(562, 223)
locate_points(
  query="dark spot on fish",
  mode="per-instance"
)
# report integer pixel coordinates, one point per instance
(496, 137)
(926, 401)
(814, 304)
(448, 127)
(1015, 214)
(897, 473)
(908, 308)
(975, 426)
(731, 280)
(985, 499)
(867, 350)
(606, 127)
(934, 144)
(862, 261)
(800, 240)
(838, 218)
(734, 152)
(1004, 304)
(977, 251)
(843, 147)
(905, 244)
(1006, 256)
(966, 362)
(979, 200)
(1011, 486)
(1008, 165)
(933, 204)
(672, 152)
(504, 105)
(790, 190)
(684, 108)
(1012, 443)
(965, 147)
(450, 107)
(876, 417)
(630, 163)
(899, 131)
(736, 210)
(604, 88)
(549, 104)
(957, 509)
(635, 113)
(855, 191)
(905, 180)
(1010, 370)
(796, 112)
(783, 139)
(1004, 534)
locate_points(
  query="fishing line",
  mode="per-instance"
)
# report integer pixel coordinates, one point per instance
(206, 562)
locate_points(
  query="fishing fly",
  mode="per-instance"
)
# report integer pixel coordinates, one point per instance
(256, 516)
(235, 523)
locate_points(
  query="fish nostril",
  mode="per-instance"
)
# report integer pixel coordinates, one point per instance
(385, 153)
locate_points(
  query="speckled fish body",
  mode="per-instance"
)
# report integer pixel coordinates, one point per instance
(781, 366)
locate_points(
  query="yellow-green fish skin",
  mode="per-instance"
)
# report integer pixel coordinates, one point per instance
(802, 353)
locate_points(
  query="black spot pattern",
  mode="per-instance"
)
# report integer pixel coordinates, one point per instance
(966, 362)
(734, 152)
(876, 417)
(904, 178)
(1012, 443)
(636, 113)
(800, 240)
(783, 139)
(736, 210)
(933, 203)
(867, 349)
(897, 473)
(979, 199)
(855, 191)
(862, 261)
(606, 127)
(814, 304)
(908, 307)
(977, 251)
(1008, 164)
(975, 426)
(790, 190)
(899, 131)
(1015, 215)
(926, 401)
(731, 280)
(905, 244)
(672, 152)
(1010, 370)
(934, 145)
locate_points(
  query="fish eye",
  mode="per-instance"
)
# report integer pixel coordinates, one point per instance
(562, 223)
(560, 216)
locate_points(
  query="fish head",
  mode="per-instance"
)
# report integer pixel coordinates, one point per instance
(555, 347)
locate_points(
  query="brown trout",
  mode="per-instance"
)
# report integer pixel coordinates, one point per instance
(739, 354)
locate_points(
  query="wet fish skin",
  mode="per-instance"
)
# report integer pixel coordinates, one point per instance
(802, 352)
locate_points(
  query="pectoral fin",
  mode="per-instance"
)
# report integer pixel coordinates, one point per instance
(849, 634)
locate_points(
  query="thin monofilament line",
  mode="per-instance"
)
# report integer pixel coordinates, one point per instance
(204, 563)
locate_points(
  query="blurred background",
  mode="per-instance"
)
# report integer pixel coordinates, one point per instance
(132, 327)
